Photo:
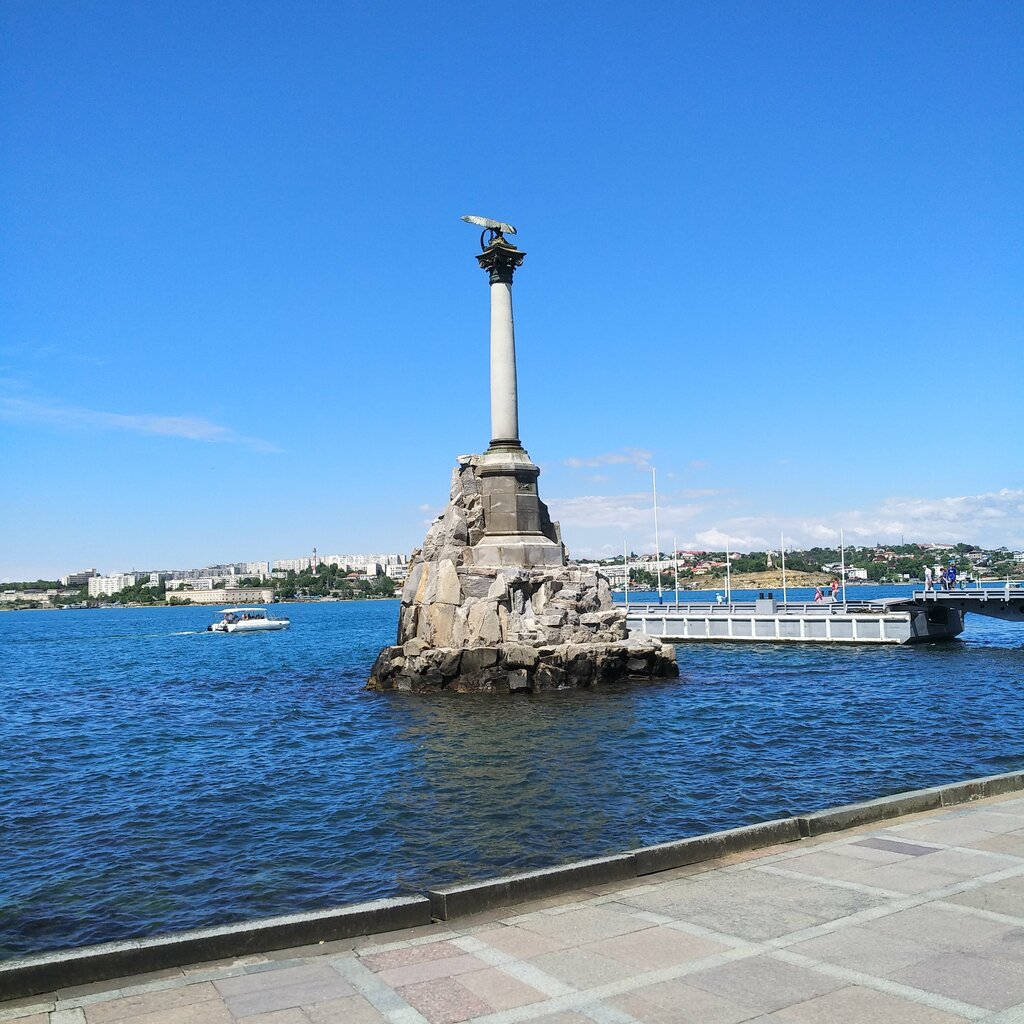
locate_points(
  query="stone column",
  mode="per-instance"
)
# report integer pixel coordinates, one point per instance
(500, 259)
(517, 529)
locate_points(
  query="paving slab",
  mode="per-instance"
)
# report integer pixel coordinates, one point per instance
(917, 920)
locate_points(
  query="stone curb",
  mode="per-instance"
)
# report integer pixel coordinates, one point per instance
(52, 971)
(49, 972)
(475, 897)
(677, 854)
(835, 819)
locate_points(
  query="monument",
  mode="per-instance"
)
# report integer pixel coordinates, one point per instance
(490, 602)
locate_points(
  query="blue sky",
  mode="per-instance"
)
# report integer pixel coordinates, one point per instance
(774, 250)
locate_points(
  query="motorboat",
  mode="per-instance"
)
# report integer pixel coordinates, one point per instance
(246, 620)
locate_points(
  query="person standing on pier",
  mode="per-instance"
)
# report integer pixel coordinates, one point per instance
(927, 577)
(835, 590)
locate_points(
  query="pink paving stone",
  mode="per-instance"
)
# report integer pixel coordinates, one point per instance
(582, 968)
(674, 1002)
(566, 1017)
(409, 955)
(444, 1001)
(290, 1016)
(583, 924)
(856, 1005)
(32, 1018)
(656, 947)
(446, 967)
(308, 973)
(500, 990)
(968, 978)
(349, 1010)
(149, 1002)
(210, 1011)
(518, 942)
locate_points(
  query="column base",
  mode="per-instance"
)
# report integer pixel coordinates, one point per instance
(516, 550)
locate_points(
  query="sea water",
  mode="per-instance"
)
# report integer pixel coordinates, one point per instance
(155, 776)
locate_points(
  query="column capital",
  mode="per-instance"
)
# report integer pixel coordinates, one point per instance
(501, 259)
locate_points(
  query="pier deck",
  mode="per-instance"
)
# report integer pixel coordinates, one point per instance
(917, 920)
(924, 616)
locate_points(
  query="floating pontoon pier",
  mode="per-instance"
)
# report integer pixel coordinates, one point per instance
(922, 617)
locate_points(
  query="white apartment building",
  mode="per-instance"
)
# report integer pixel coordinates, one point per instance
(229, 596)
(202, 583)
(295, 564)
(356, 563)
(112, 584)
(78, 579)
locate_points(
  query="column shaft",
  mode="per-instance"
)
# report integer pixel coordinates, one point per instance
(504, 397)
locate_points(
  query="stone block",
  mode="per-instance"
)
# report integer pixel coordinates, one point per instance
(407, 620)
(548, 676)
(49, 972)
(484, 624)
(424, 585)
(448, 588)
(413, 647)
(664, 856)
(836, 819)
(460, 627)
(475, 584)
(441, 618)
(412, 583)
(475, 897)
(518, 680)
(450, 662)
(478, 658)
(519, 656)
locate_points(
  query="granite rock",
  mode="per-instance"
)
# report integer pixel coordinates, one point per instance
(468, 627)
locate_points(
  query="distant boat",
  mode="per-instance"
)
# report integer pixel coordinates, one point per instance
(246, 620)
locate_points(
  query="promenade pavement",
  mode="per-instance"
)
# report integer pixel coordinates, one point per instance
(918, 920)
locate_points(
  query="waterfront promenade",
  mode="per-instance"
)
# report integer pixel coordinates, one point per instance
(915, 919)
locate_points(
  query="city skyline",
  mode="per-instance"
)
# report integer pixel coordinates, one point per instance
(773, 252)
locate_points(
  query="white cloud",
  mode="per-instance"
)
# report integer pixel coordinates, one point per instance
(706, 520)
(622, 511)
(191, 428)
(637, 457)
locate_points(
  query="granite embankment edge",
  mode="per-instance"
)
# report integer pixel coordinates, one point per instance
(47, 972)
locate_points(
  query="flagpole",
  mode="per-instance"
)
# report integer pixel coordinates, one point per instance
(657, 542)
(675, 558)
(625, 569)
(785, 598)
(842, 562)
(728, 573)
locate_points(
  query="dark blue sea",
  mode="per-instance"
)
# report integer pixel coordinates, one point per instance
(155, 777)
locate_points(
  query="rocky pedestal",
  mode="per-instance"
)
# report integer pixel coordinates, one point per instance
(505, 628)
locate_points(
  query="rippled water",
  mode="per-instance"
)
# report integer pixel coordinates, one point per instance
(155, 777)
